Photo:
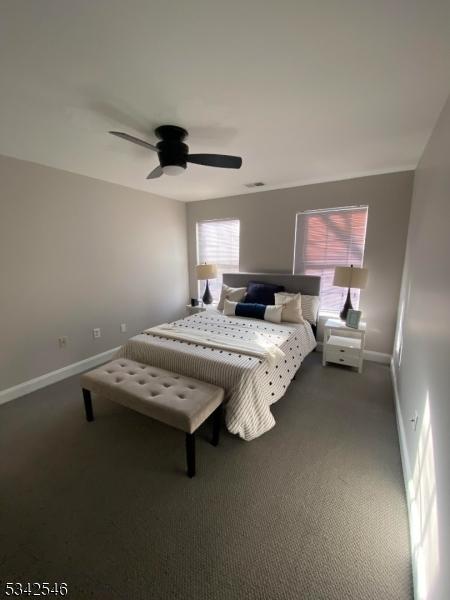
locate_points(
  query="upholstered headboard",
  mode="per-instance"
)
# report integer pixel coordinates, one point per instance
(305, 284)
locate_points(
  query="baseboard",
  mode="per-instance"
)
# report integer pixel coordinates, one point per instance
(407, 472)
(48, 378)
(371, 355)
(379, 357)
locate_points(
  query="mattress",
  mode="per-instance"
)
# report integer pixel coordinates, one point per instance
(251, 385)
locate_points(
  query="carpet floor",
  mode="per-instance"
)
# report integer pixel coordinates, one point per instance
(313, 510)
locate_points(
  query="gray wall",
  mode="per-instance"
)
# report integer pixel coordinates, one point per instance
(268, 226)
(78, 253)
(422, 365)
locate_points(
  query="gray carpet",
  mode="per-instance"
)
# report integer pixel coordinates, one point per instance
(313, 510)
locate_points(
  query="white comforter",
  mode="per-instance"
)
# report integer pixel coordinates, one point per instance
(251, 383)
(254, 344)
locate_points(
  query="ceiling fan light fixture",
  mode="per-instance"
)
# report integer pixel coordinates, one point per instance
(173, 170)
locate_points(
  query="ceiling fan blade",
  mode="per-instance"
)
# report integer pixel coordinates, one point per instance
(134, 140)
(216, 160)
(157, 172)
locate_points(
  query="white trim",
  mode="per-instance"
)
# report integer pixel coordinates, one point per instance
(379, 357)
(406, 468)
(48, 378)
(333, 208)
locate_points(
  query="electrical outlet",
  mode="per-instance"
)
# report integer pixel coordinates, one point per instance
(123, 327)
(62, 341)
(96, 332)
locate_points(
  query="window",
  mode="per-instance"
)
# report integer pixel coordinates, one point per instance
(218, 243)
(328, 238)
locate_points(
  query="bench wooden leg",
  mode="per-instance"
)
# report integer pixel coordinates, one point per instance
(88, 405)
(190, 454)
(217, 422)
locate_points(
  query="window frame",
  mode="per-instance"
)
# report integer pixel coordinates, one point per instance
(201, 284)
(355, 293)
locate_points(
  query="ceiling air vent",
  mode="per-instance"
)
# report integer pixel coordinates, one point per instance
(255, 184)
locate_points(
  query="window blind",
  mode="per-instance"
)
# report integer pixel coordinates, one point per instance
(325, 239)
(218, 243)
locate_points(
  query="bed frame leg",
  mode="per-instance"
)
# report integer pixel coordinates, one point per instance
(217, 422)
(190, 454)
(88, 405)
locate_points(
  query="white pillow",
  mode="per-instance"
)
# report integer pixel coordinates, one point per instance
(292, 307)
(229, 308)
(272, 312)
(310, 308)
(231, 293)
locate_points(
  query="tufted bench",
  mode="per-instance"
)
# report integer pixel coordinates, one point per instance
(173, 399)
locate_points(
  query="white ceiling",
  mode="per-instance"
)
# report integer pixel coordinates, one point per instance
(303, 91)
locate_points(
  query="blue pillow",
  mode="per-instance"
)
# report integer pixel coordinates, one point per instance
(262, 293)
(254, 311)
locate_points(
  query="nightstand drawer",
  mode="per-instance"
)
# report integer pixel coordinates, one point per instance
(343, 352)
(343, 356)
(347, 346)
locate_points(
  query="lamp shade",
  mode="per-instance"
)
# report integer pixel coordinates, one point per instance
(350, 277)
(206, 271)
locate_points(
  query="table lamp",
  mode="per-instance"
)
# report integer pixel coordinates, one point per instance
(349, 277)
(206, 272)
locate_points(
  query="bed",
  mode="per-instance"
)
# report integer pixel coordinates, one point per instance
(251, 383)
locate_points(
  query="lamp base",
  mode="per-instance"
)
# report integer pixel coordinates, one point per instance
(347, 306)
(207, 297)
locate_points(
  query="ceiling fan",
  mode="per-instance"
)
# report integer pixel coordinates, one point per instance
(173, 152)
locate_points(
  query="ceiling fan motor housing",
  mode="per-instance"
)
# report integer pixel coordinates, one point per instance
(172, 153)
(171, 149)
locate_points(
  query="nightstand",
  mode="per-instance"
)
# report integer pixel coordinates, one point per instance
(193, 310)
(344, 345)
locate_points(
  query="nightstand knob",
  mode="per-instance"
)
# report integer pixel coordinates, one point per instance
(341, 350)
(341, 360)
